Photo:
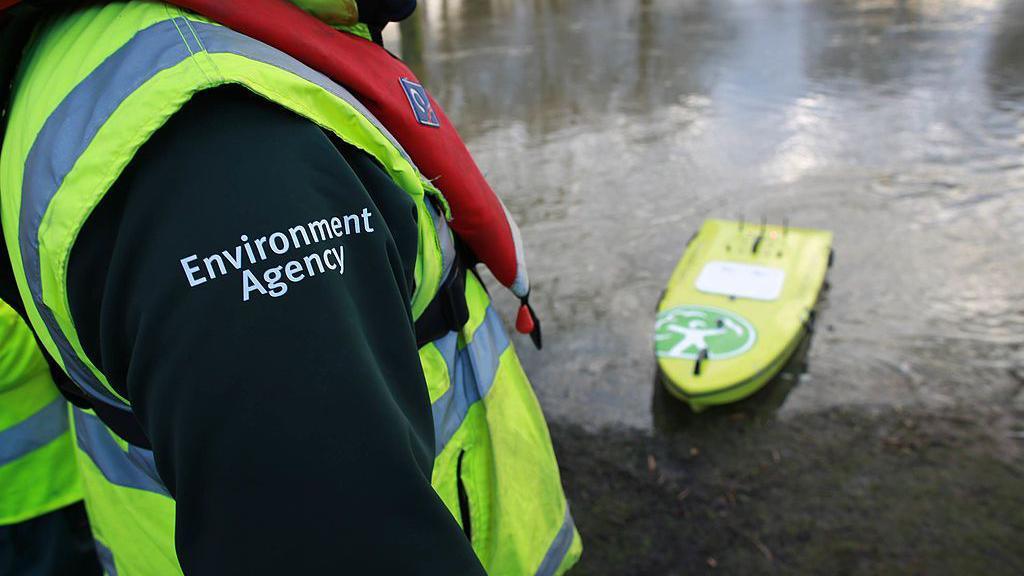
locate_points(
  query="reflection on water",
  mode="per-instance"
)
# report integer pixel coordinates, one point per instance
(612, 129)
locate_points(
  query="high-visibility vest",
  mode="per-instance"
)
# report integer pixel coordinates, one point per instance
(37, 459)
(95, 84)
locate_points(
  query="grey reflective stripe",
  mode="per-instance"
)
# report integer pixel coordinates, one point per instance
(34, 432)
(444, 239)
(69, 130)
(559, 546)
(471, 372)
(134, 469)
(106, 558)
(62, 140)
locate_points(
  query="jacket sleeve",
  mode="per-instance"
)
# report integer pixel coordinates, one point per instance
(281, 390)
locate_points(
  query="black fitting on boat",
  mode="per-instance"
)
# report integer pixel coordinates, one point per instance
(702, 356)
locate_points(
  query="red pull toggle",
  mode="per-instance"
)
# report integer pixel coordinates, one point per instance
(524, 321)
(528, 323)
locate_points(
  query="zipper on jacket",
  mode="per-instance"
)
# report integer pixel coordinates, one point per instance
(463, 498)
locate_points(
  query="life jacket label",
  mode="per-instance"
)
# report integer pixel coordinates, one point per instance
(420, 103)
(275, 281)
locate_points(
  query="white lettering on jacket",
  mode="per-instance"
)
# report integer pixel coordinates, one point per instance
(275, 281)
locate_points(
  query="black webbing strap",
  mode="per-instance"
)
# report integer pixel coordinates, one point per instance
(121, 422)
(448, 311)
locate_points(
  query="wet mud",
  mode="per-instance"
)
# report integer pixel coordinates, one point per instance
(833, 492)
(738, 490)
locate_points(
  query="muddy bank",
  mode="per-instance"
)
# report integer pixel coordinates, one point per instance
(835, 492)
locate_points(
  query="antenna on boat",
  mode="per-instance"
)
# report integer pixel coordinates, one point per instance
(760, 236)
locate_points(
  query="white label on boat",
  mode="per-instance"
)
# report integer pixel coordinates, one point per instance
(741, 280)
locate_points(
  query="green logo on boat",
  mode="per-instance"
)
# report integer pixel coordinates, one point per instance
(684, 331)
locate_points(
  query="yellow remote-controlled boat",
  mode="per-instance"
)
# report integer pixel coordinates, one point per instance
(736, 307)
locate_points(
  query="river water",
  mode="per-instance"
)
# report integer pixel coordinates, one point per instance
(613, 128)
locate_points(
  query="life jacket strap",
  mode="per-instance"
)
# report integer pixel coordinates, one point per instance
(448, 311)
(120, 420)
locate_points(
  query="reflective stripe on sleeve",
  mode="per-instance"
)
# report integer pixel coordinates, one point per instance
(471, 371)
(559, 546)
(106, 558)
(133, 469)
(34, 432)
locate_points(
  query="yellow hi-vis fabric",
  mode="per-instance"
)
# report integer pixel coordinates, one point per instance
(76, 122)
(37, 460)
(333, 12)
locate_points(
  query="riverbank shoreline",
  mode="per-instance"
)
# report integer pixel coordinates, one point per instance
(844, 491)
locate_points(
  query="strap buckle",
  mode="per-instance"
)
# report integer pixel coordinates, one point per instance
(448, 311)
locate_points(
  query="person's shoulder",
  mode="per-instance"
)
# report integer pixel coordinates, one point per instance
(230, 127)
(204, 196)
